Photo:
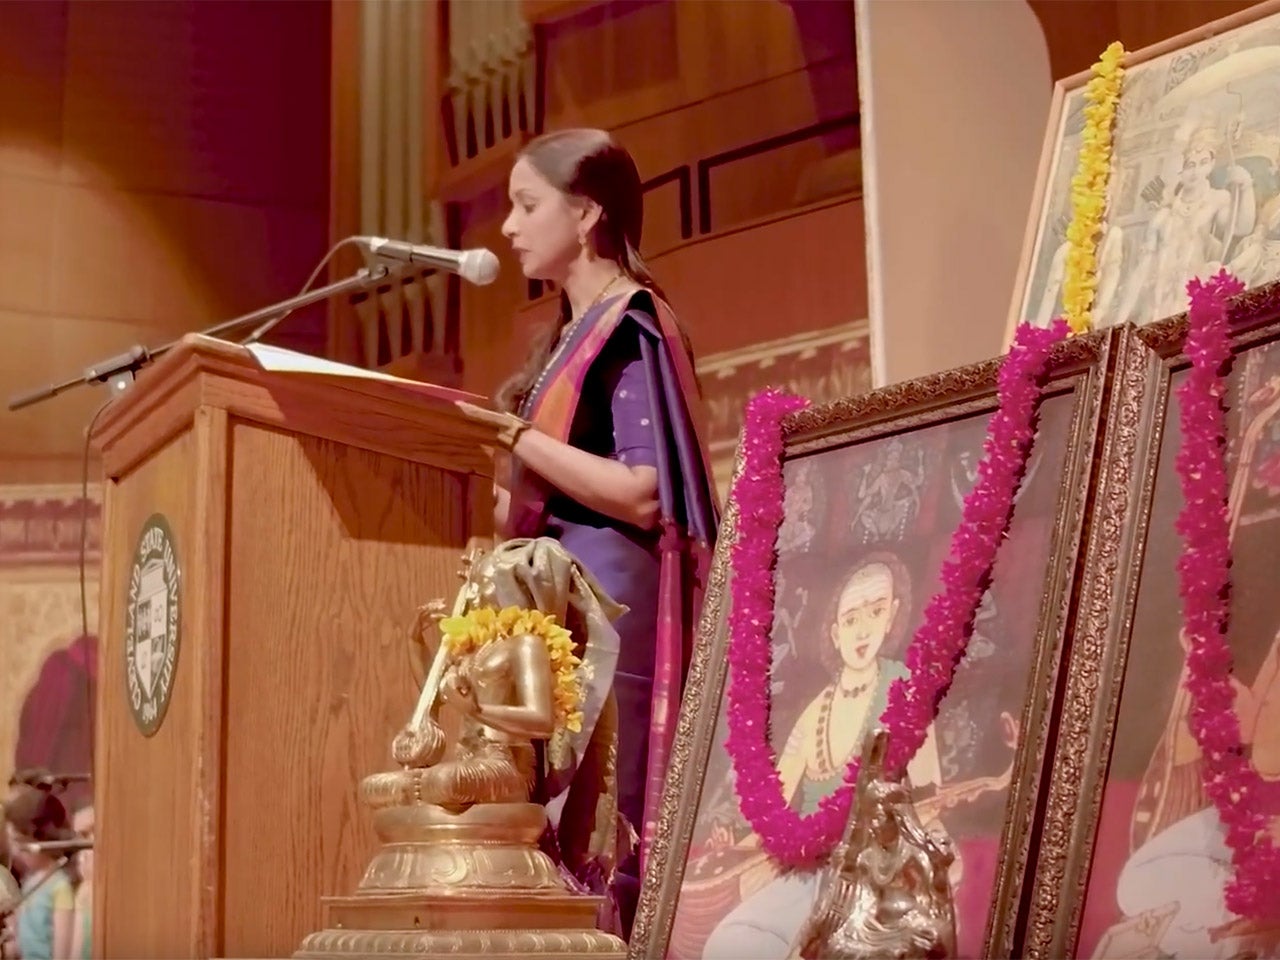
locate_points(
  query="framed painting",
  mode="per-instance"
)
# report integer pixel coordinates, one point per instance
(1133, 861)
(1195, 175)
(873, 493)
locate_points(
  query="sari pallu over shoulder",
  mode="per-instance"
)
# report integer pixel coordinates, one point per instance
(688, 511)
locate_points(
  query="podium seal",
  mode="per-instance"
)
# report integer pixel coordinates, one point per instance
(153, 624)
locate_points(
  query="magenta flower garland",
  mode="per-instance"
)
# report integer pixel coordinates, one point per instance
(1229, 778)
(940, 642)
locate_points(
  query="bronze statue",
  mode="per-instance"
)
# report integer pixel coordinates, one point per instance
(502, 695)
(887, 891)
(494, 740)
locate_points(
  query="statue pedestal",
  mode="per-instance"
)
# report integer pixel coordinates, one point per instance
(500, 924)
(466, 884)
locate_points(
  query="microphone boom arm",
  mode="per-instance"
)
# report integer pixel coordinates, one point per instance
(137, 357)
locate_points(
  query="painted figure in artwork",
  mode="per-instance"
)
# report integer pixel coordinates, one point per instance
(735, 904)
(1172, 886)
(828, 734)
(1110, 263)
(832, 727)
(841, 628)
(1194, 226)
(1194, 179)
(1180, 864)
(1256, 259)
(798, 527)
(888, 495)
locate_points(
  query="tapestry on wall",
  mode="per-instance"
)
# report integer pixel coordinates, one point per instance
(46, 695)
(820, 365)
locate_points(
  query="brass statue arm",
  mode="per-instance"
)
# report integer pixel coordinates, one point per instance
(518, 721)
(531, 713)
(421, 742)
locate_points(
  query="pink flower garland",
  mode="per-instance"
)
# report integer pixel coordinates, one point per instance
(1203, 578)
(940, 642)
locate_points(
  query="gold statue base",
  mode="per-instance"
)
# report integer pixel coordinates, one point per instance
(461, 884)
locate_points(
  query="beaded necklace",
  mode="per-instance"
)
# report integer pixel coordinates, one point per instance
(563, 341)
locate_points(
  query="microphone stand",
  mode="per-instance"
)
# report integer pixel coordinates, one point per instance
(120, 370)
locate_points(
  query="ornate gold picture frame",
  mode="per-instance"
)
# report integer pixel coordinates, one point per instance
(1130, 863)
(873, 492)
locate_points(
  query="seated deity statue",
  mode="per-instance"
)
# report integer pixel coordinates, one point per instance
(887, 892)
(516, 711)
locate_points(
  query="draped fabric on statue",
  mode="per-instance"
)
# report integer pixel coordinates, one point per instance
(578, 776)
(687, 508)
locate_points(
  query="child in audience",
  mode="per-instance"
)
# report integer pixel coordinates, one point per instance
(45, 921)
(81, 941)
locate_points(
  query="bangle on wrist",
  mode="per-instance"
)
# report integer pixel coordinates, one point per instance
(511, 430)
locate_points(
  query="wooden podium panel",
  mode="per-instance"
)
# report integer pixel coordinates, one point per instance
(309, 517)
(148, 792)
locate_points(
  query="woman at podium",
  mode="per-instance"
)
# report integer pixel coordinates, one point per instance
(602, 427)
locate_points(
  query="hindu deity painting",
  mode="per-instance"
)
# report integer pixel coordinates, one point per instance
(866, 528)
(1160, 862)
(1194, 187)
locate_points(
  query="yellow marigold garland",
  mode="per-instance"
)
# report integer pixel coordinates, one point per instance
(1089, 189)
(467, 633)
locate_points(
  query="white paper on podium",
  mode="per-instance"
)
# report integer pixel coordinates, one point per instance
(280, 360)
(290, 361)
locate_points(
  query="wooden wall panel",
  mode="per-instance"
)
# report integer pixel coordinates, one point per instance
(797, 273)
(231, 257)
(45, 446)
(342, 340)
(707, 96)
(26, 240)
(199, 99)
(1144, 22)
(773, 107)
(163, 166)
(615, 63)
(1078, 31)
(33, 42)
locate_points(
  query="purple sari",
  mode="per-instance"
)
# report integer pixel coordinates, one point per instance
(622, 387)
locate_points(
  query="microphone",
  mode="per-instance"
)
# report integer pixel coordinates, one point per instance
(59, 846)
(478, 266)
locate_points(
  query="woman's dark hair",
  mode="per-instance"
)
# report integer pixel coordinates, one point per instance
(588, 164)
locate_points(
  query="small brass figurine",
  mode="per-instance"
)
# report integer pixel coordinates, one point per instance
(887, 892)
(508, 719)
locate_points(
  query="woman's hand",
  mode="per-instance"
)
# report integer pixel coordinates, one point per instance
(507, 426)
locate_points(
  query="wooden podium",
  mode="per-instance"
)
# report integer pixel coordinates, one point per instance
(269, 536)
